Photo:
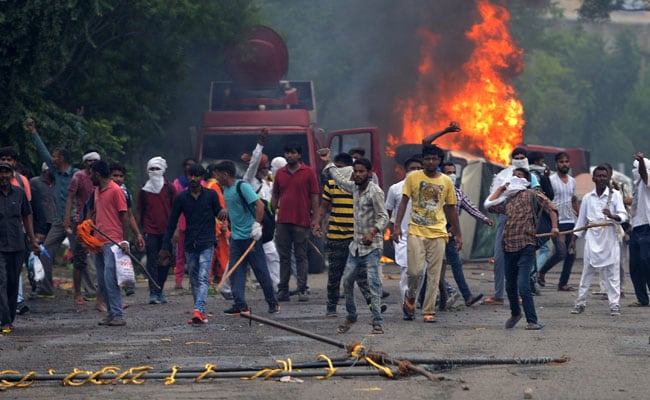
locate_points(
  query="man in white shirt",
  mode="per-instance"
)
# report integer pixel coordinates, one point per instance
(640, 238)
(602, 250)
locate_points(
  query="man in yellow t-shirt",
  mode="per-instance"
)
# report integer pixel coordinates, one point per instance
(433, 203)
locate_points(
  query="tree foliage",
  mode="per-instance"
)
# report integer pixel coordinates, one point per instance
(118, 61)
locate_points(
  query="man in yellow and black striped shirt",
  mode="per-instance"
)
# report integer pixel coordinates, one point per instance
(340, 233)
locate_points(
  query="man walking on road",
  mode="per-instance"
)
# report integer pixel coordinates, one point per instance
(296, 194)
(16, 220)
(433, 205)
(566, 202)
(370, 220)
(111, 217)
(200, 207)
(640, 238)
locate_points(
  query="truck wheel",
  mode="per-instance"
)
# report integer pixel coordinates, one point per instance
(315, 260)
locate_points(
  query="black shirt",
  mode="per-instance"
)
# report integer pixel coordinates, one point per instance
(13, 208)
(200, 216)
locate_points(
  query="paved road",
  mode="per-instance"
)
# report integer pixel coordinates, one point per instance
(608, 355)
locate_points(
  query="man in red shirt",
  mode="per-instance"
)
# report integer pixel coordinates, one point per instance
(296, 193)
(111, 218)
(154, 207)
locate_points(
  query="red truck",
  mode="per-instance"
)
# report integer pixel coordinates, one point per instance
(259, 96)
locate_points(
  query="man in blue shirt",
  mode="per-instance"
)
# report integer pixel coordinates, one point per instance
(200, 207)
(246, 227)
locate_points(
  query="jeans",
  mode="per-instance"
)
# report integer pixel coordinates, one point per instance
(518, 265)
(287, 235)
(371, 262)
(257, 261)
(198, 264)
(640, 262)
(153, 243)
(337, 256)
(456, 264)
(107, 279)
(561, 244)
(543, 253)
(499, 259)
(10, 264)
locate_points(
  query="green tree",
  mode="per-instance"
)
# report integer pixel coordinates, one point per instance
(120, 60)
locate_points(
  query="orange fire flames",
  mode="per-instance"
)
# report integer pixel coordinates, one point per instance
(482, 101)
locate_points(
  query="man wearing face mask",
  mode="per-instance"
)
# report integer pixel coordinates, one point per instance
(566, 202)
(517, 204)
(451, 253)
(518, 160)
(154, 206)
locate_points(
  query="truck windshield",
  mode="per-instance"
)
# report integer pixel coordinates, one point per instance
(231, 145)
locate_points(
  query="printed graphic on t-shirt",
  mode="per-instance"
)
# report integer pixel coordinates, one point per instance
(428, 203)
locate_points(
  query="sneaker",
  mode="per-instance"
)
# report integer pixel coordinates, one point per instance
(6, 328)
(303, 297)
(283, 296)
(473, 300)
(409, 309)
(162, 299)
(274, 308)
(129, 291)
(578, 309)
(22, 309)
(236, 310)
(331, 312)
(615, 311)
(153, 299)
(384, 294)
(198, 318)
(105, 321)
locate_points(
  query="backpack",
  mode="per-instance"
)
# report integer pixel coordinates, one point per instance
(542, 221)
(268, 222)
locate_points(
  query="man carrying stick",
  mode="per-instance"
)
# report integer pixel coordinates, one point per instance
(602, 247)
(200, 207)
(245, 244)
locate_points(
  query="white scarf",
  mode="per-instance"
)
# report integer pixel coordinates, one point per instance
(514, 186)
(156, 179)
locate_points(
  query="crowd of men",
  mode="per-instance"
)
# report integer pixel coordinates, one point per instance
(214, 226)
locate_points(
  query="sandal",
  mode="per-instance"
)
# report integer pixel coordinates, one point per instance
(534, 327)
(377, 329)
(493, 301)
(345, 326)
(566, 288)
(473, 300)
(637, 304)
(79, 300)
(430, 318)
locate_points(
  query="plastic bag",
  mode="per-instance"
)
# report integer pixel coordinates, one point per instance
(34, 264)
(123, 267)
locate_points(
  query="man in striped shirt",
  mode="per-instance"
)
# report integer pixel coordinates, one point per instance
(340, 233)
(453, 258)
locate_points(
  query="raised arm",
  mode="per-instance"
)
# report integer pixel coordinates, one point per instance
(452, 127)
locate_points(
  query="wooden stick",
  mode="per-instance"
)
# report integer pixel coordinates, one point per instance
(234, 267)
(584, 228)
